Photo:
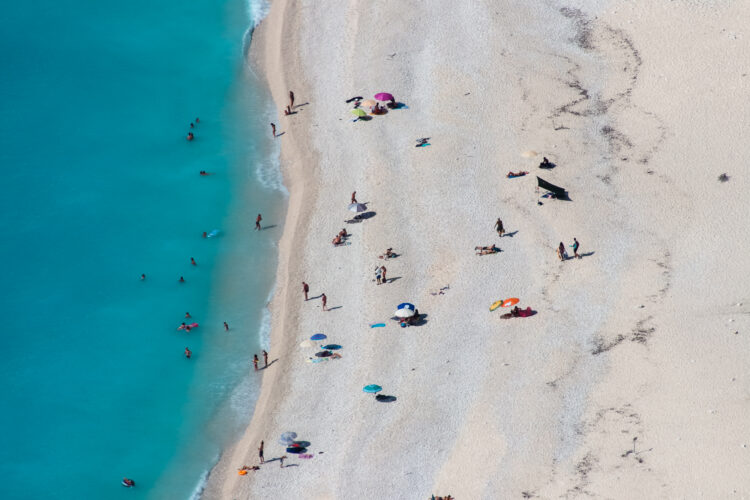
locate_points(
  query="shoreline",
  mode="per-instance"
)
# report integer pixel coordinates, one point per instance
(265, 51)
(547, 406)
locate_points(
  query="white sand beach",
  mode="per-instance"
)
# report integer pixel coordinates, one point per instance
(631, 379)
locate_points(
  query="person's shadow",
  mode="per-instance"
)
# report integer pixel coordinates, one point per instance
(587, 254)
(391, 280)
(269, 227)
(334, 308)
(269, 364)
(512, 234)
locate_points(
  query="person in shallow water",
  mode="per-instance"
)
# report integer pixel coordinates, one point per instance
(128, 483)
(190, 136)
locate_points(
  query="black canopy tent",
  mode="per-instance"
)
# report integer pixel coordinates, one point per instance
(559, 192)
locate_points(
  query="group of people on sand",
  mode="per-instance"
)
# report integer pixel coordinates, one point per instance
(340, 238)
(380, 276)
(256, 360)
(563, 255)
(433, 497)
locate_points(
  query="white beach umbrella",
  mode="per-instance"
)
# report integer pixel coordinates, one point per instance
(357, 207)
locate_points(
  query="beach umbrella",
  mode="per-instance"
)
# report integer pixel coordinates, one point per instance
(332, 347)
(529, 154)
(510, 302)
(404, 313)
(306, 343)
(384, 96)
(357, 207)
(359, 112)
(323, 354)
(368, 103)
(318, 336)
(288, 437)
(496, 304)
(296, 449)
(406, 305)
(372, 388)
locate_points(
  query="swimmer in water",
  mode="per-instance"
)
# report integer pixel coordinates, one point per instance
(182, 326)
(197, 120)
(205, 234)
(187, 315)
(190, 136)
(188, 353)
(143, 277)
(192, 261)
(187, 328)
(191, 125)
(182, 280)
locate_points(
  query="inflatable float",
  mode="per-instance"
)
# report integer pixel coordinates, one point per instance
(191, 325)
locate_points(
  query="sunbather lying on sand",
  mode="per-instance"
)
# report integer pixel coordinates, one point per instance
(387, 255)
(487, 250)
(337, 240)
(517, 174)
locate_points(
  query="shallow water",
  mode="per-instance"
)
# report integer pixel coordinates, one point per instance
(100, 186)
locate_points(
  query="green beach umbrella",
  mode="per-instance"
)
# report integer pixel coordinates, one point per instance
(359, 112)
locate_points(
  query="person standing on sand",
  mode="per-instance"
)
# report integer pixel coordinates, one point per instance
(291, 100)
(265, 358)
(499, 227)
(226, 326)
(384, 270)
(305, 289)
(273, 130)
(576, 245)
(378, 275)
(255, 361)
(281, 461)
(561, 251)
(325, 301)
(257, 222)
(260, 452)
(354, 197)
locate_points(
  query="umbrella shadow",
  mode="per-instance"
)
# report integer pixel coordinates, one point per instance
(363, 119)
(399, 105)
(366, 215)
(382, 398)
(548, 166)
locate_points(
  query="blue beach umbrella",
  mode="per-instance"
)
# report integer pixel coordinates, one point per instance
(372, 388)
(288, 438)
(406, 305)
(332, 347)
(318, 336)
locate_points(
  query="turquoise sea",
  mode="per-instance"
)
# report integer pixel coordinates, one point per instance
(99, 186)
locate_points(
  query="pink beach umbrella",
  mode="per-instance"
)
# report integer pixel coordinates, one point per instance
(384, 96)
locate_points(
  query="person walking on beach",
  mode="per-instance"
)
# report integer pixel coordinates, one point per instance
(561, 251)
(257, 222)
(226, 326)
(384, 270)
(291, 100)
(188, 353)
(378, 275)
(354, 197)
(260, 452)
(255, 361)
(273, 130)
(576, 245)
(325, 301)
(305, 289)
(281, 461)
(499, 227)
(265, 358)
